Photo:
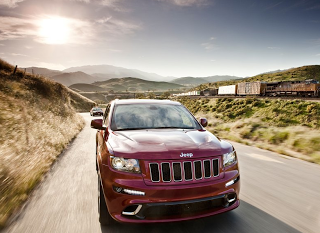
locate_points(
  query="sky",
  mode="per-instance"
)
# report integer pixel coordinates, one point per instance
(168, 37)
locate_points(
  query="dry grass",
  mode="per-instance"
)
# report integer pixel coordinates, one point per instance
(37, 120)
(290, 127)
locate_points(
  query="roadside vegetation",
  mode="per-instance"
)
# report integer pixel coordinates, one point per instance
(37, 120)
(290, 127)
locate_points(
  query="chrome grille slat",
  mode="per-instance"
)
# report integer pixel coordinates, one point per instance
(184, 171)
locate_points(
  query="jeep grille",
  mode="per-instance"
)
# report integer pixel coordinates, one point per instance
(184, 171)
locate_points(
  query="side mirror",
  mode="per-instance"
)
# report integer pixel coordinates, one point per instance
(98, 124)
(203, 122)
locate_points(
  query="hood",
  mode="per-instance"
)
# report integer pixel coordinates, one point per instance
(166, 144)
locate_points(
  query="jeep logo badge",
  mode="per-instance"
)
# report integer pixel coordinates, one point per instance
(183, 155)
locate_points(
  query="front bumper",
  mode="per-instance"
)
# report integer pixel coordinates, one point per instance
(168, 203)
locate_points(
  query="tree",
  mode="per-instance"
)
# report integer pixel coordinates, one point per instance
(140, 96)
(165, 95)
(151, 95)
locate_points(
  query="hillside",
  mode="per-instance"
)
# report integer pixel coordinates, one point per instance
(101, 77)
(42, 71)
(68, 79)
(294, 74)
(37, 120)
(290, 127)
(189, 81)
(193, 81)
(118, 72)
(217, 78)
(136, 84)
(83, 87)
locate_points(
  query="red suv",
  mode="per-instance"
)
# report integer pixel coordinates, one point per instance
(157, 163)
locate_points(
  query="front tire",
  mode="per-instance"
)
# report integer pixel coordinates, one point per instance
(104, 216)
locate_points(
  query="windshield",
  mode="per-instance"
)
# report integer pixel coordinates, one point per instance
(152, 116)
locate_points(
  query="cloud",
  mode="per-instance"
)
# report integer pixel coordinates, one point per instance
(10, 3)
(210, 45)
(273, 5)
(116, 26)
(273, 48)
(104, 20)
(76, 31)
(18, 54)
(79, 32)
(86, 1)
(188, 2)
(112, 4)
(318, 54)
(49, 29)
(14, 28)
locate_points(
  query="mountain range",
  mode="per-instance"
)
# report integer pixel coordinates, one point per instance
(108, 72)
(98, 73)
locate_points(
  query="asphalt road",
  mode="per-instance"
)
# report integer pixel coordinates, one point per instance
(278, 194)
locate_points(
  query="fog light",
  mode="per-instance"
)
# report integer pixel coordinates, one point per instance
(128, 191)
(133, 192)
(231, 182)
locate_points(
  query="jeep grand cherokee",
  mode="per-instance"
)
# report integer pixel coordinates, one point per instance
(157, 163)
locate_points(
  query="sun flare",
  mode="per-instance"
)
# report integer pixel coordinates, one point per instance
(54, 30)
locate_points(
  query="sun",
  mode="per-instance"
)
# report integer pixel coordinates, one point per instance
(54, 30)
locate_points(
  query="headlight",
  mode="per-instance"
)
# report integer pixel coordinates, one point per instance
(126, 165)
(229, 158)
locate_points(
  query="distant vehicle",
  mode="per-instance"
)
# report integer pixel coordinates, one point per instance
(96, 112)
(157, 163)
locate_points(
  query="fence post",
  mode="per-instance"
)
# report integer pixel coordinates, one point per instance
(15, 69)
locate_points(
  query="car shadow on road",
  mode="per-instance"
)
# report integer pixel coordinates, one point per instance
(244, 219)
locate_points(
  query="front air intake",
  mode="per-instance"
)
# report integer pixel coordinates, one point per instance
(184, 171)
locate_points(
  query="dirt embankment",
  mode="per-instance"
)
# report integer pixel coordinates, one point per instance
(37, 120)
